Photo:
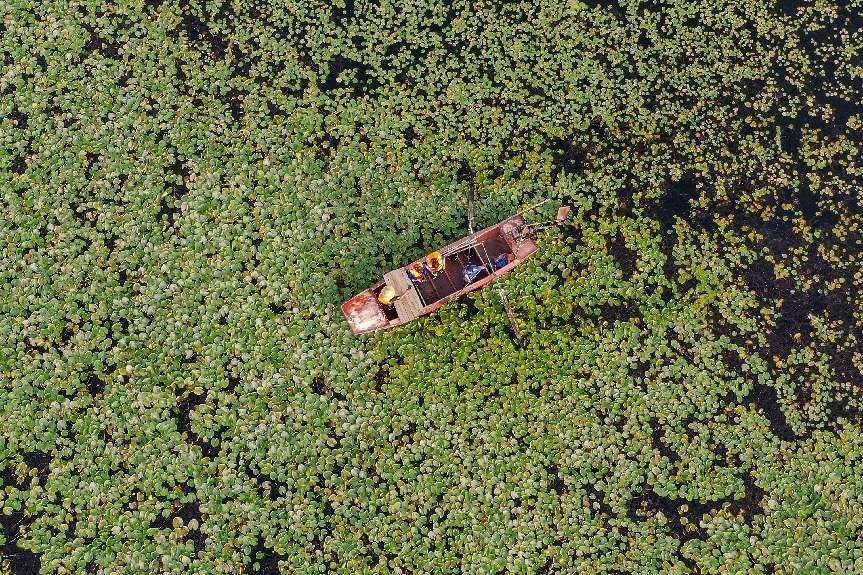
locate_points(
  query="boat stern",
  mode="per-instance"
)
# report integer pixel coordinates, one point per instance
(363, 313)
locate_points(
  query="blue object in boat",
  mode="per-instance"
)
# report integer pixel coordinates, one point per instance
(470, 271)
(500, 262)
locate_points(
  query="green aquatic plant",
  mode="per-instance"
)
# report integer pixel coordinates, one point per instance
(190, 190)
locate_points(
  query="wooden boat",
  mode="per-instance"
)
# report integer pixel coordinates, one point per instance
(496, 250)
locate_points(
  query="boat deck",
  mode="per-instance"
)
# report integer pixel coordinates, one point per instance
(408, 306)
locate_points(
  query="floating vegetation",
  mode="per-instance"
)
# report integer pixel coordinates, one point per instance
(190, 190)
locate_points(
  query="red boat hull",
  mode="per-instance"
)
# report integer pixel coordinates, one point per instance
(364, 314)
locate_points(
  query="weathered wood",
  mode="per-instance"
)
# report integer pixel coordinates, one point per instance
(407, 303)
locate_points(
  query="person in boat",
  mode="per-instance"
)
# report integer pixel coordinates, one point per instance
(429, 268)
(417, 272)
(435, 263)
(387, 296)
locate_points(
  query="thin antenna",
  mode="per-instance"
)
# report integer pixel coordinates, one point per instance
(470, 199)
(562, 216)
(533, 207)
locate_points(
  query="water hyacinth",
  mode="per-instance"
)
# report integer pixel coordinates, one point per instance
(190, 190)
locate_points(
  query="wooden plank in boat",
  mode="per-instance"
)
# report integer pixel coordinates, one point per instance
(408, 306)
